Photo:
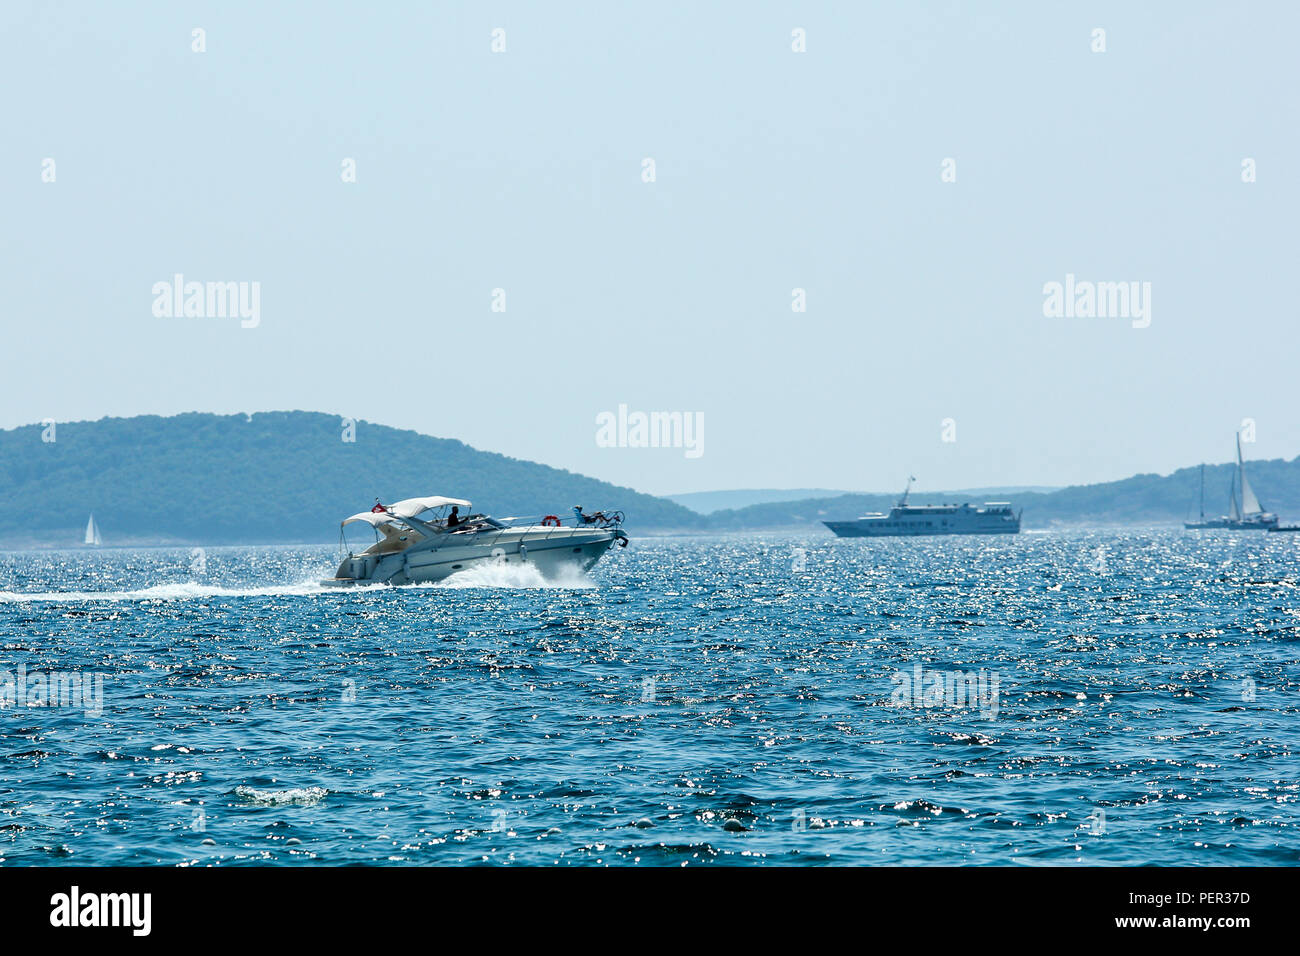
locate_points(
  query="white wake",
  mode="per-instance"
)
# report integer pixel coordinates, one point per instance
(487, 575)
(182, 591)
(500, 576)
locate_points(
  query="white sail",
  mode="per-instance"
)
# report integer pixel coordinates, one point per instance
(1249, 503)
(92, 531)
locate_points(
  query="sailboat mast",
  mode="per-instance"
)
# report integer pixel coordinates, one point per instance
(1202, 492)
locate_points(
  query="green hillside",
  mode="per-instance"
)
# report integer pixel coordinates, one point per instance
(272, 477)
(288, 477)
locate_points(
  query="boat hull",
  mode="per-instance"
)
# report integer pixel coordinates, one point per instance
(553, 552)
(1230, 524)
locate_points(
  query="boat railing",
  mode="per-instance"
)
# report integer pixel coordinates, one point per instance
(553, 523)
(596, 519)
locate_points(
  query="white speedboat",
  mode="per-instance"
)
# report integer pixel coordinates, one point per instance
(427, 539)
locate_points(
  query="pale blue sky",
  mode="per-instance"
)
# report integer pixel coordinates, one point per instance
(775, 170)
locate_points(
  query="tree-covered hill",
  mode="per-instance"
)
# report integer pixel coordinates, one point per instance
(283, 477)
(270, 477)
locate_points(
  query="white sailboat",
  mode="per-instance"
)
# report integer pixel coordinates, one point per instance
(1248, 515)
(1249, 503)
(92, 532)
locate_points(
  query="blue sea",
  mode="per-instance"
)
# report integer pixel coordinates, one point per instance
(1059, 698)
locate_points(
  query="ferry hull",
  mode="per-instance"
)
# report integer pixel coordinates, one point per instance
(865, 529)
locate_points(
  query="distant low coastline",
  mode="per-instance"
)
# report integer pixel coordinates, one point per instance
(277, 477)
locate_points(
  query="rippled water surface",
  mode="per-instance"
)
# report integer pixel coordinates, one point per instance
(696, 700)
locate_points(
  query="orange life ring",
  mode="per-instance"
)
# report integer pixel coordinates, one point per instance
(550, 521)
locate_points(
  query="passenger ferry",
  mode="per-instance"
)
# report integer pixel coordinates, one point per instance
(904, 520)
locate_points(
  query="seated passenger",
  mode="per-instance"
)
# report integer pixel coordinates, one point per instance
(453, 519)
(597, 518)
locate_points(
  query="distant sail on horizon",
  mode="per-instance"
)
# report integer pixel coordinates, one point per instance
(1249, 503)
(1246, 515)
(92, 531)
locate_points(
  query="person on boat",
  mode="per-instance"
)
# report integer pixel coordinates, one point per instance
(583, 518)
(453, 519)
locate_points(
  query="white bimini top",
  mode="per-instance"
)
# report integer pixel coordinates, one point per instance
(406, 508)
